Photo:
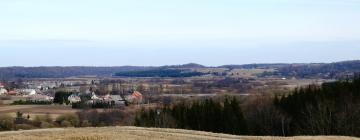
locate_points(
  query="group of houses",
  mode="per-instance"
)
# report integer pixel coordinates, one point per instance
(117, 100)
(38, 94)
(29, 94)
(4, 91)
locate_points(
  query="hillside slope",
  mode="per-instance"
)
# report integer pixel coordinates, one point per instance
(136, 133)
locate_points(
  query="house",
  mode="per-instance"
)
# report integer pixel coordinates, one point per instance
(94, 97)
(116, 100)
(113, 100)
(3, 91)
(40, 97)
(135, 97)
(28, 91)
(12, 92)
(74, 98)
(32, 92)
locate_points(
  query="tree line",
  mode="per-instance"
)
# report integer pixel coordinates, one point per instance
(328, 109)
(207, 115)
(160, 73)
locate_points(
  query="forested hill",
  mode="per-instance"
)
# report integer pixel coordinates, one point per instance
(60, 72)
(320, 70)
(162, 72)
(329, 70)
(335, 70)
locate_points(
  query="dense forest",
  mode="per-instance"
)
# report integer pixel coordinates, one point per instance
(222, 117)
(337, 70)
(328, 109)
(160, 73)
(61, 72)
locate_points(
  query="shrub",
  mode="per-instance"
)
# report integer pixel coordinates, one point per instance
(24, 127)
(6, 122)
(31, 102)
(106, 118)
(62, 97)
(85, 123)
(71, 118)
(46, 125)
(65, 123)
(43, 118)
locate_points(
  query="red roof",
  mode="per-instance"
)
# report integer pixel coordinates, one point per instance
(137, 94)
(12, 92)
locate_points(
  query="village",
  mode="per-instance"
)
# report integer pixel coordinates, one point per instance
(45, 92)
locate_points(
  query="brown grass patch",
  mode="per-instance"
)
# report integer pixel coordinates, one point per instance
(137, 133)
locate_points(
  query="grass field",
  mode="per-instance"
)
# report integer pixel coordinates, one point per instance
(35, 110)
(137, 133)
(247, 73)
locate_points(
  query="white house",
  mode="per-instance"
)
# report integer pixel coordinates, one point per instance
(3, 91)
(94, 97)
(32, 92)
(74, 98)
(40, 97)
(28, 91)
(116, 100)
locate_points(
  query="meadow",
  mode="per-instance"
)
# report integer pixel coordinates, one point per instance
(138, 133)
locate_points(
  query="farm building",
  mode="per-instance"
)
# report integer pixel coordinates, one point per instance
(115, 99)
(12, 92)
(74, 98)
(40, 97)
(28, 91)
(3, 91)
(135, 97)
(94, 97)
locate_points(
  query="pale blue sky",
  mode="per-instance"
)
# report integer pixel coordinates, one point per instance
(160, 32)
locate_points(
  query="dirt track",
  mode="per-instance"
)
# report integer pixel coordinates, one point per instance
(136, 133)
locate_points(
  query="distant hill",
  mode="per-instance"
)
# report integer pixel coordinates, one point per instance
(306, 70)
(323, 70)
(302, 70)
(61, 72)
(186, 66)
(161, 72)
(255, 66)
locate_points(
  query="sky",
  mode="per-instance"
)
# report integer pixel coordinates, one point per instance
(167, 32)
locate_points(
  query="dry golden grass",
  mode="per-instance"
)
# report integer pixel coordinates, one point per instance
(137, 133)
(248, 73)
(37, 110)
